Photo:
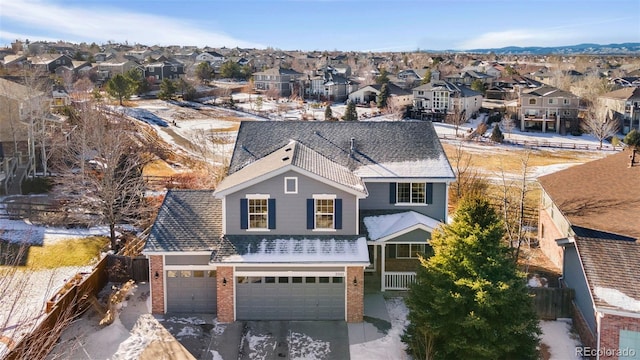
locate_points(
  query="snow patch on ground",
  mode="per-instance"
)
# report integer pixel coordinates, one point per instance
(187, 331)
(617, 298)
(216, 355)
(259, 345)
(390, 346)
(303, 347)
(562, 343)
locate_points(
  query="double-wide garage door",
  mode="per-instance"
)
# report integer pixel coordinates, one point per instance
(191, 291)
(290, 298)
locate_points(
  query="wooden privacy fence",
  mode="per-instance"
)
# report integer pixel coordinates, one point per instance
(123, 268)
(552, 303)
(61, 309)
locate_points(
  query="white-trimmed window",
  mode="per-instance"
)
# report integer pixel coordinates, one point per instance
(409, 251)
(411, 193)
(291, 185)
(324, 213)
(566, 101)
(257, 212)
(532, 101)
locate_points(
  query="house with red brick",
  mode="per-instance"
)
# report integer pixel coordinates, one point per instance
(589, 226)
(308, 213)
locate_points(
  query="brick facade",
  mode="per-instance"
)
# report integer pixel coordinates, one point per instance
(587, 337)
(610, 326)
(547, 235)
(355, 294)
(157, 284)
(225, 302)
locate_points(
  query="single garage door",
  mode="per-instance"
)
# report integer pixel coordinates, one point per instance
(290, 298)
(191, 291)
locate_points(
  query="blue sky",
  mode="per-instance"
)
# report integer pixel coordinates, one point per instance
(359, 25)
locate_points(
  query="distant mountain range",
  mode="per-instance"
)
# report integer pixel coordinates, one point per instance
(590, 49)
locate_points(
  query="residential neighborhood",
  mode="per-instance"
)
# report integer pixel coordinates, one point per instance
(249, 202)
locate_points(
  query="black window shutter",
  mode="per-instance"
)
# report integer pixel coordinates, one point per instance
(391, 248)
(271, 208)
(244, 214)
(338, 214)
(310, 214)
(429, 193)
(392, 193)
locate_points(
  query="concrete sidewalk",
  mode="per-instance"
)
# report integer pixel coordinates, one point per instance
(376, 321)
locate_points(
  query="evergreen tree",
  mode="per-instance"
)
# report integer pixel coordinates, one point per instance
(427, 78)
(138, 81)
(230, 70)
(350, 113)
(632, 139)
(383, 78)
(479, 86)
(469, 301)
(120, 87)
(328, 114)
(167, 89)
(383, 96)
(204, 72)
(496, 134)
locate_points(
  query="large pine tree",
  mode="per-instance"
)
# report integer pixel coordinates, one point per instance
(350, 113)
(469, 300)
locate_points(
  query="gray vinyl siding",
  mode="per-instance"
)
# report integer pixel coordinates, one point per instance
(186, 259)
(575, 279)
(291, 209)
(418, 236)
(378, 199)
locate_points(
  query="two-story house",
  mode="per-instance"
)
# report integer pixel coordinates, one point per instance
(441, 97)
(623, 105)
(328, 84)
(170, 69)
(369, 94)
(50, 62)
(110, 68)
(548, 109)
(278, 78)
(307, 209)
(210, 57)
(588, 226)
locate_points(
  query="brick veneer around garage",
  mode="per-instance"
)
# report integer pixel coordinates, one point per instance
(157, 284)
(225, 293)
(610, 326)
(355, 294)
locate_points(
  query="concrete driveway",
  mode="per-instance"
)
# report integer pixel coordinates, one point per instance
(204, 338)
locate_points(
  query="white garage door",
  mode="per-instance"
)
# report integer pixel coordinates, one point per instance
(191, 291)
(290, 298)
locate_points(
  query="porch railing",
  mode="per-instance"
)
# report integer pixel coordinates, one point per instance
(398, 280)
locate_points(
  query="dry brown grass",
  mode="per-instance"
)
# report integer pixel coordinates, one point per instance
(158, 168)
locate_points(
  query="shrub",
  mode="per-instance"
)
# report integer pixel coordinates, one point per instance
(496, 134)
(39, 185)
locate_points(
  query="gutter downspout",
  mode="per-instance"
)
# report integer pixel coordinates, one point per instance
(599, 316)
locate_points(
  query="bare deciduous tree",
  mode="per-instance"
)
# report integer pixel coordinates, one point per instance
(469, 181)
(599, 124)
(456, 116)
(100, 171)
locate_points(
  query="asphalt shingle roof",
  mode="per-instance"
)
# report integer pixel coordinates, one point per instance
(299, 156)
(611, 264)
(601, 195)
(188, 220)
(380, 149)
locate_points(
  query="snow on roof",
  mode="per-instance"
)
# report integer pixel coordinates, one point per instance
(436, 168)
(383, 226)
(617, 298)
(305, 250)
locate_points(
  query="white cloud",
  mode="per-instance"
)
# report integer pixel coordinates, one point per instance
(102, 24)
(521, 37)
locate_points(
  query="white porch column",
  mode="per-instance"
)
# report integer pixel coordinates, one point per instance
(382, 280)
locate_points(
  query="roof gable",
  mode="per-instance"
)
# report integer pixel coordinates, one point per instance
(412, 148)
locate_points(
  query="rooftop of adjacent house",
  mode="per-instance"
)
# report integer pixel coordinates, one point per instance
(188, 220)
(612, 268)
(292, 249)
(278, 71)
(15, 91)
(601, 195)
(295, 155)
(626, 93)
(442, 85)
(398, 149)
(393, 89)
(548, 91)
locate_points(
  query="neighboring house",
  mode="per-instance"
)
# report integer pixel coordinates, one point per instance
(108, 69)
(548, 109)
(210, 56)
(469, 76)
(588, 226)
(164, 70)
(307, 209)
(281, 79)
(139, 55)
(329, 85)
(626, 81)
(443, 97)
(508, 88)
(623, 105)
(103, 56)
(15, 61)
(50, 62)
(369, 93)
